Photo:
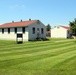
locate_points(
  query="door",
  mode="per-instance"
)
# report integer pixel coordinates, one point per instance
(38, 32)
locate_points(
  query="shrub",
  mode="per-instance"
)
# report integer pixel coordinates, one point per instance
(39, 39)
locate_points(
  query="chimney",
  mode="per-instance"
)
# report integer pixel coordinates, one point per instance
(12, 21)
(38, 22)
(29, 19)
(21, 20)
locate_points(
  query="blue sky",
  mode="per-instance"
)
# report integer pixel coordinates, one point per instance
(53, 12)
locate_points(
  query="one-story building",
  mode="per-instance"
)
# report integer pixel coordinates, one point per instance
(60, 32)
(28, 30)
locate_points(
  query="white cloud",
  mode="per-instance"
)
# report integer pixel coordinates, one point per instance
(17, 6)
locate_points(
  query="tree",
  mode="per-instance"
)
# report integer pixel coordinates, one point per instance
(48, 27)
(73, 26)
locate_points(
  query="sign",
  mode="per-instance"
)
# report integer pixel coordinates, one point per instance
(19, 38)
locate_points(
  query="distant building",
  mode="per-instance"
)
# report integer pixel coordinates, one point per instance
(48, 33)
(29, 30)
(60, 32)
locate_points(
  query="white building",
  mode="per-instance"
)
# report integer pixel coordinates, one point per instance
(60, 32)
(28, 30)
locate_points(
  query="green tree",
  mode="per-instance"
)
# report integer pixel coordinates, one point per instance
(48, 27)
(73, 26)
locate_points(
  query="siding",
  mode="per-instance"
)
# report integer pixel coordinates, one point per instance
(6, 36)
(58, 32)
(12, 35)
(34, 36)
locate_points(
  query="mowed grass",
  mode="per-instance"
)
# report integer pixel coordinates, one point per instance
(54, 57)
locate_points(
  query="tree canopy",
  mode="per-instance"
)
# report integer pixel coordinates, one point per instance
(48, 27)
(73, 26)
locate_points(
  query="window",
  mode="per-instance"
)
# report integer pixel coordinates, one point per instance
(42, 31)
(15, 30)
(2, 30)
(33, 30)
(23, 29)
(8, 30)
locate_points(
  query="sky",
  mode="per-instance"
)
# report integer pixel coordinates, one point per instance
(53, 12)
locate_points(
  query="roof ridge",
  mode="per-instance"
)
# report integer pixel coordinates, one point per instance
(17, 24)
(66, 27)
(18, 21)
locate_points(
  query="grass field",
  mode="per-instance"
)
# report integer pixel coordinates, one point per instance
(54, 57)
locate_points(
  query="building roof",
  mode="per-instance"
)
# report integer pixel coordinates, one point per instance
(17, 24)
(66, 27)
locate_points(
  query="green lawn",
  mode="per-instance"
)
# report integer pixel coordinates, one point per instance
(54, 57)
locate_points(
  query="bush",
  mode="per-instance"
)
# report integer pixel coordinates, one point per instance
(71, 37)
(40, 39)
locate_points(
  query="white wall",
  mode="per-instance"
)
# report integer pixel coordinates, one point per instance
(6, 36)
(36, 25)
(13, 35)
(58, 32)
(26, 35)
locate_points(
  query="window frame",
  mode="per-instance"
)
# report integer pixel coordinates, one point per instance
(23, 29)
(15, 29)
(2, 30)
(42, 30)
(33, 30)
(8, 30)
